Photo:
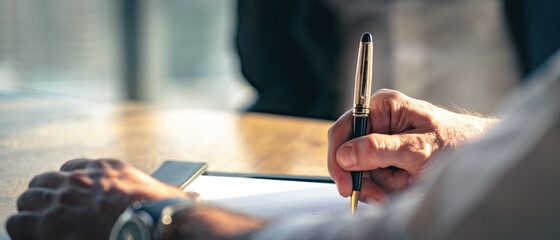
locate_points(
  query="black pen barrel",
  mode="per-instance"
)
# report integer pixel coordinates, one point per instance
(359, 129)
(362, 94)
(356, 180)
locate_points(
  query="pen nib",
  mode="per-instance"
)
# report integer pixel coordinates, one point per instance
(354, 201)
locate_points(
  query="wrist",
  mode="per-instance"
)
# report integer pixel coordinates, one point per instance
(149, 219)
(467, 127)
(212, 223)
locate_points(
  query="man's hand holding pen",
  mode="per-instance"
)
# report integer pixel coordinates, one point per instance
(404, 133)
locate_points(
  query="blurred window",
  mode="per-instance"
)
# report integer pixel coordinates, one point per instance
(75, 47)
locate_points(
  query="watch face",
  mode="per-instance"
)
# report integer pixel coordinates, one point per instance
(131, 231)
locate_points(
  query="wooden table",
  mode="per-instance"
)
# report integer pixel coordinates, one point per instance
(39, 133)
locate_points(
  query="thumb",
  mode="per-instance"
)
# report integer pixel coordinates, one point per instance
(405, 151)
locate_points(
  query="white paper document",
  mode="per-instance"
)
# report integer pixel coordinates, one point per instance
(269, 198)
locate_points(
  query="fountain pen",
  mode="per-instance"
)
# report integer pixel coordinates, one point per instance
(360, 111)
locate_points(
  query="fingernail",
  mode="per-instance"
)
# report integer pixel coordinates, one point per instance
(347, 156)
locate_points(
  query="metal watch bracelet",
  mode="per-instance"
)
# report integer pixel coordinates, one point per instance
(148, 220)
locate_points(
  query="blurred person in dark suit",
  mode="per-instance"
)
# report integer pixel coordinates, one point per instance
(300, 55)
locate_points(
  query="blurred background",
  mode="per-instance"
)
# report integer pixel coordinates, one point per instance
(286, 57)
(174, 53)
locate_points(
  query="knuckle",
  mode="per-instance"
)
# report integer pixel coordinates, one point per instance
(386, 100)
(26, 197)
(48, 179)
(331, 130)
(334, 129)
(73, 164)
(424, 152)
(78, 175)
(332, 134)
(423, 149)
(373, 146)
(81, 178)
(22, 201)
(96, 164)
(37, 180)
(115, 163)
(28, 194)
(34, 199)
(416, 153)
(389, 93)
(106, 163)
(382, 91)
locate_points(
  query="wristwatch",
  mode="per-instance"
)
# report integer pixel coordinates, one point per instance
(147, 220)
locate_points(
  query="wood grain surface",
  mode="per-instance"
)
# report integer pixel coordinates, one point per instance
(39, 133)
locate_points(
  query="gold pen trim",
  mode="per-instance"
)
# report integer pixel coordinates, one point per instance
(362, 88)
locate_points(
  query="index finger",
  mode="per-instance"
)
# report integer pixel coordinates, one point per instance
(339, 133)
